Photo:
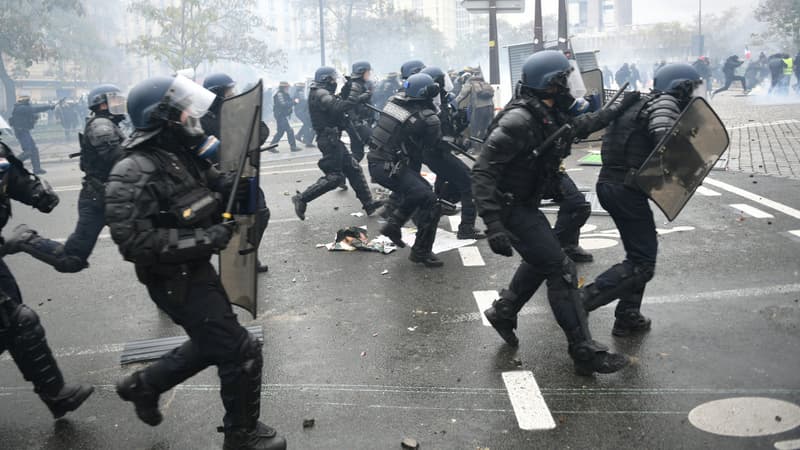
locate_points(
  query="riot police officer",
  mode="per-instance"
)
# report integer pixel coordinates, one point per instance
(100, 143)
(223, 87)
(449, 169)
(164, 205)
(360, 124)
(21, 332)
(282, 107)
(407, 126)
(23, 120)
(306, 132)
(508, 181)
(626, 145)
(409, 68)
(386, 88)
(328, 118)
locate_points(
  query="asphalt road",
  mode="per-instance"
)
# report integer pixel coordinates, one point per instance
(377, 357)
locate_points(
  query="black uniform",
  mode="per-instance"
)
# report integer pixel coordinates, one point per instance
(306, 132)
(328, 118)
(282, 109)
(404, 131)
(359, 127)
(23, 120)
(508, 184)
(729, 70)
(626, 145)
(21, 332)
(385, 90)
(163, 205)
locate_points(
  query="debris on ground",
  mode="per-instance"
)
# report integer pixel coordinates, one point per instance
(410, 443)
(384, 272)
(363, 354)
(357, 214)
(309, 423)
(355, 238)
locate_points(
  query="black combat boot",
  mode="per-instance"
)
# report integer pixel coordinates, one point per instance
(262, 268)
(503, 317)
(70, 398)
(144, 397)
(577, 254)
(428, 259)
(261, 437)
(299, 206)
(467, 231)
(372, 206)
(394, 228)
(630, 322)
(592, 357)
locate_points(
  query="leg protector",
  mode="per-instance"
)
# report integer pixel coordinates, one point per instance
(324, 185)
(393, 227)
(429, 216)
(25, 239)
(241, 386)
(619, 281)
(32, 354)
(355, 175)
(503, 316)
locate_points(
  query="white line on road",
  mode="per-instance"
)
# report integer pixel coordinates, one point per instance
(751, 211)
(794, 444)
(702, 190)
(455, 221)
(764, 124)
(795, 232)
(780, 207)
(526, 398)
(727, 294)
(471, 256)
(484, 300)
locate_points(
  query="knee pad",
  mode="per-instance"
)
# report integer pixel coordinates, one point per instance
(569, 273)
(644, 272)
(250, 356)
(581, 213)
(335, 177)
(27, 323)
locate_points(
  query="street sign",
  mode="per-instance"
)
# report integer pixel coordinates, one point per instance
(503, 6)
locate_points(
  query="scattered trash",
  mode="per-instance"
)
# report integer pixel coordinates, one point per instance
(363, 354)
(374, 334)
(357, 214)
(355, 238)
(769, 222)
(755, 182)
(309, 423)
(517, 362)
(384, 272)
(294, 280)
(286, 193)
(410, 443)
(778, 418)
(335, 208)
(412, 328)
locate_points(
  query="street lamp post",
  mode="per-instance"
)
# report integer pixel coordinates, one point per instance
(322, 32)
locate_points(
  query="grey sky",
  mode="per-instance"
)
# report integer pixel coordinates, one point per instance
(650, 11)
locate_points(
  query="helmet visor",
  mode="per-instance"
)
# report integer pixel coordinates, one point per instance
(189, 97)
(575, 81)
(448, 83)
(3, 124)
(117, 103)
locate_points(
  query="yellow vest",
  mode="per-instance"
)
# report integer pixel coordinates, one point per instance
(789, 65)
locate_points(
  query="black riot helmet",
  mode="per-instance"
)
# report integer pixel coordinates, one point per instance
(441, 78)
(360, 68)
(410, 68)
(680, 80)
(219, 83)
(325, 77)
(421, 86)
(160, 100)
(109, 94)
(545, 69)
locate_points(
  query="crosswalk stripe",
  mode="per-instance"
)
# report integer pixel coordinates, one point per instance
(526, 398)
(484, 300)
(794, 444)
(702, 190)
(795, 232)
(789, 211)
(455, 221)
(471, 256)
(751, 211)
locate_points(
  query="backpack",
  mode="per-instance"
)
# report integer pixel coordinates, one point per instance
(486, 91)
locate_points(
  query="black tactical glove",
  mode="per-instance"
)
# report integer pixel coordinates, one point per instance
(219, 235)
(44, 197)
(497, 235)
(629, 99)
(242, 193)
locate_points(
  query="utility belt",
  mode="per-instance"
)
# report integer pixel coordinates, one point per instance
(619, 175)
(94, 186)
(175, 279)
(509, 200)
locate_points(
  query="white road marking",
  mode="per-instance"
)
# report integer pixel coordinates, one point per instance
(746, 416)
(471, 256)
(780, 207)
(67, 188)
(588, 228)
(727, 294)
(751, 211)
(702, 190)
(794, 444)
(589, 243)
(526, 399)
(795, 232)
(484, 299)
(455, 221)
(764, 124)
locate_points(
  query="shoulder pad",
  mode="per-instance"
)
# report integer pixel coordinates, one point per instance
(664, 101)
(515, 117)
(132, 168)
(100, 131)
(397, 112)
(357, 88)
(138, 138)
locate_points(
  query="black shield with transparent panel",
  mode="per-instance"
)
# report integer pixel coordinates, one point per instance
(681, 161)
(240, 117)
(593, 80)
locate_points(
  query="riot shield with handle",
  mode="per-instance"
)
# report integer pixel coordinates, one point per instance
(683, 158)
(240, 119)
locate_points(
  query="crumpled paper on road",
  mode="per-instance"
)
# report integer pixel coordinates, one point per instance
(355, 238)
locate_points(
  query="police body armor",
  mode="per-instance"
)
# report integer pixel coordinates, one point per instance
(321, 119)
(387, 141)
(627, 142)
(100, 150)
